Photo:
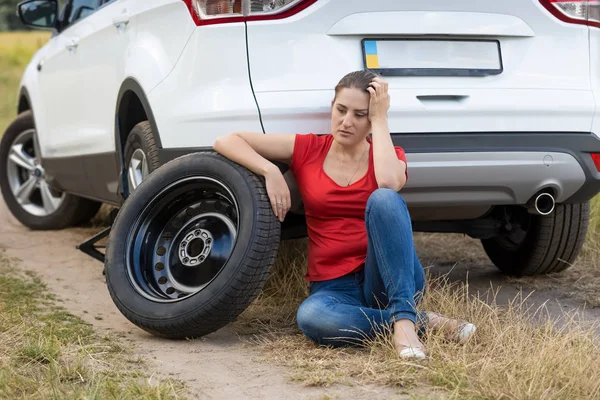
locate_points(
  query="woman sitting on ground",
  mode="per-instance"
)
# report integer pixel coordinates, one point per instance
(363, 270)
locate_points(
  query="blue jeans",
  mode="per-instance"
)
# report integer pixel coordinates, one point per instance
(357, 306)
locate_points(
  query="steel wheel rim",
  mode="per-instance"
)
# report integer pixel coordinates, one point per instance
(182, 239)
(138, 168)
(26, 177)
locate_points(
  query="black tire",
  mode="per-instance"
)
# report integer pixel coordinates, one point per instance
(73, 211)
(141, 137)
(132, 281)
(548, 244)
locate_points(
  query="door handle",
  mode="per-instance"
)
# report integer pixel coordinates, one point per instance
(442, 98)
(121, 20)
(72, 45)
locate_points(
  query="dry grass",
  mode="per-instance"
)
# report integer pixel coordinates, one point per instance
(519, 352)
(45, 352)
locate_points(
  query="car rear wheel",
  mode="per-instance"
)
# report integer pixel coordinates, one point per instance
(540, 244)
(191, 247)
(23, 182)
(141, 154)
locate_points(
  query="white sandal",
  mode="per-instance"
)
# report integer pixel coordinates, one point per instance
(412, 352)
(465, 331)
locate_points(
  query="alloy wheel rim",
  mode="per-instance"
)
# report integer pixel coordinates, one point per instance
(27, 178)
(182, 239)
(138, 168)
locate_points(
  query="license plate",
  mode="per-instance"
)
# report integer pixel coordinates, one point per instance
(432, 57)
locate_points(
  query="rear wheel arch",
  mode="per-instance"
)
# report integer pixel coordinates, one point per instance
(132, 108)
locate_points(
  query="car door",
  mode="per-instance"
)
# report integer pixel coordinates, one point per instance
(103, 40)
(59, 78)
(93, 39)
(60, 108)
(103, 37)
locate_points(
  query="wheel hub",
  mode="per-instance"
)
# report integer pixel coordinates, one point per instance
(38, 172)
(27, 178)
(195, 248)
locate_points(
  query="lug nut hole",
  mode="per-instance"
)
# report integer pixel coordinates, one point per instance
(162, 280)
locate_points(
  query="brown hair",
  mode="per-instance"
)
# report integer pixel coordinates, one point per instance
(355, 80)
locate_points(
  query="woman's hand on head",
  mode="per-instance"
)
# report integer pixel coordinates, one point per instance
(380, 99)
(278, 192)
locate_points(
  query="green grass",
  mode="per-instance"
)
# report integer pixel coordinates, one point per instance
(48, 353)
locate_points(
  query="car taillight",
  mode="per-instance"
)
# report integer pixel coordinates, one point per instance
(585, 12)
(596, 159)
(205, 12)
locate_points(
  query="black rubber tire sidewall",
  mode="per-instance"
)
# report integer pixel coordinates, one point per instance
(551, 245)
(142, 137)
(237, 284)
(74, 210)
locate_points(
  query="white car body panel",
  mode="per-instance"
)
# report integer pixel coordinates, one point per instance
(140, 49)
(59, 74)
(99, 41)
(203, 99)
(156, 46)
(457, 23)
(595, 76)
(546, 66)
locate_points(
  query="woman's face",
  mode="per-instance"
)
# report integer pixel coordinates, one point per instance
(350, 116)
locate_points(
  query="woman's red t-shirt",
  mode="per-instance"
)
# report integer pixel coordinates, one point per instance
(335, 215)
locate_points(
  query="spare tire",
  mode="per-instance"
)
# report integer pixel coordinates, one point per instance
(191, 247)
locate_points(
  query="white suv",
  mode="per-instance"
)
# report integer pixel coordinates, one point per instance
(496, 104)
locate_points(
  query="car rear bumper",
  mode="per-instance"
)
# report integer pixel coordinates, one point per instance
(498, 168)
(488, 169)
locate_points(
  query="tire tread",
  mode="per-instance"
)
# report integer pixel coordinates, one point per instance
(551, 245)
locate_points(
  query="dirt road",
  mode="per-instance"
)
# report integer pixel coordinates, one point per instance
(216, 367)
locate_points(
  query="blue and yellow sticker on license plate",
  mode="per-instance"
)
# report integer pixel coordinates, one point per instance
(432, 57)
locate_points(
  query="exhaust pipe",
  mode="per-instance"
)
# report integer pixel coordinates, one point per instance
(541, 204)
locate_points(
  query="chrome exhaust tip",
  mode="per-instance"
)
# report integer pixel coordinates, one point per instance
(541, 204)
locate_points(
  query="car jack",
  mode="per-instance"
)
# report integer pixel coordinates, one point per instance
(90, 247)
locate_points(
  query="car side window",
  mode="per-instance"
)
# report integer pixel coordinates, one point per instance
(78, 9)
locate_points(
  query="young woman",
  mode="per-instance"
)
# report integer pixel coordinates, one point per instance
(363, 271)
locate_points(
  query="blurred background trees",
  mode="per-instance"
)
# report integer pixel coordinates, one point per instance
(9, 21)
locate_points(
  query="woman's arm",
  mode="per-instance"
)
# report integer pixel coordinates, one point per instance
(255, 152)
(390, 172)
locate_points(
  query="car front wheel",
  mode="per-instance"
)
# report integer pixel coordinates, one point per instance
(22, 180)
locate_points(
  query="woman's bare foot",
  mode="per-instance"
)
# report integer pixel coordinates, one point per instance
(407, 341)
(451, 329)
